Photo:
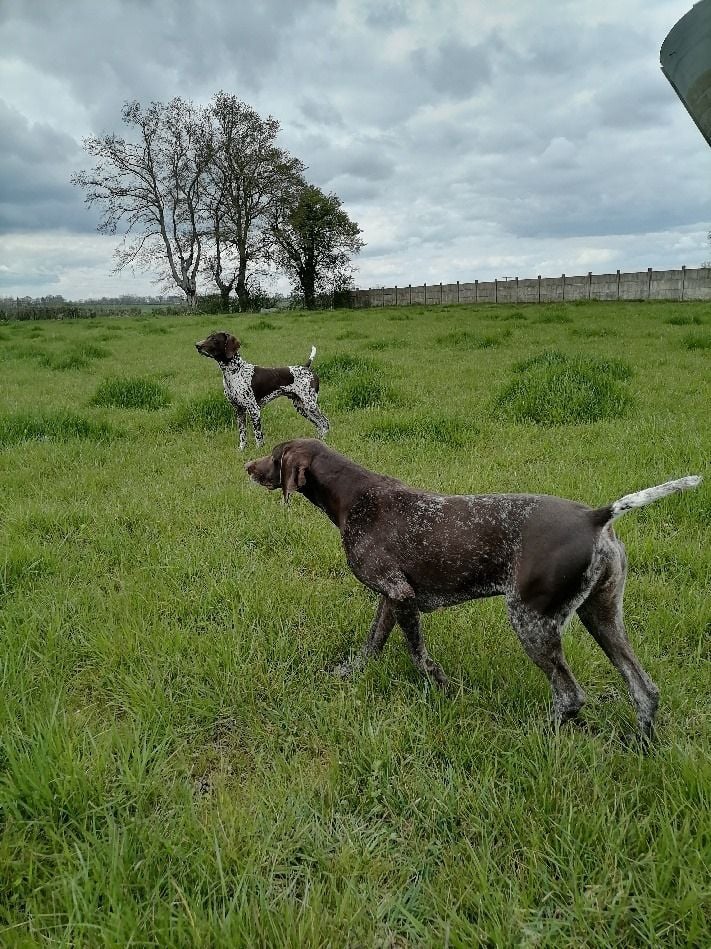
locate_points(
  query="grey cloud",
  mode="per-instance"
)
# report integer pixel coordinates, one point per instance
(36, 162)
(387, 14)
(321, 112)
(453, 68)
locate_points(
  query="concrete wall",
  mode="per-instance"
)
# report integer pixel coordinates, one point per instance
(644, 285)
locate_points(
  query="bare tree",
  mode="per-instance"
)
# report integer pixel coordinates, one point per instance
(249, 178)
(314, 241)
(152, 189)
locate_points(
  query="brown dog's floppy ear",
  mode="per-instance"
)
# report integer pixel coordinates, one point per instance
(231, 346)
(293, 475)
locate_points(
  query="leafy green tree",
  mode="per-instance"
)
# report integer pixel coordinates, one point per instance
(313, 242)
(250, 179)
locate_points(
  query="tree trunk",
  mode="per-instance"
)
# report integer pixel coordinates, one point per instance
(241, 285)
(225, 294)
(308, 287)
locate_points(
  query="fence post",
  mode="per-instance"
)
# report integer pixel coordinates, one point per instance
(649, 283)
(683, 281)
(476, 291)
(410, 288)
(457, 291)
(440, 293)
(517, 289)
(539, 288)
(496, 289)
(589, 284)
(395, 294)
(618, 284)
(425, 294)
(563, 287)
(383, 296)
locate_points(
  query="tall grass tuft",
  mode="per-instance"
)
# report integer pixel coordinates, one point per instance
(20, 568)
(552, 389)
(261, 325)
(365, 390)
(685, 319)
(697, 341)
(208, 412)
(465, 339)
(555, 314)
(423, 428)
(335, 368)
(132, 393)
(60, 426)
(76, 357)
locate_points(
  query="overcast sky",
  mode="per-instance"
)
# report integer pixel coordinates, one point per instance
(468, 139)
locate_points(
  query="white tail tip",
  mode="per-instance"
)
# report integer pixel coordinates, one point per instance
(313, 352)
(649, 495)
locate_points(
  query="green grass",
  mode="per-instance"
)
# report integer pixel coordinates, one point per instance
(178, 767)
(132, 393)
(554, 389)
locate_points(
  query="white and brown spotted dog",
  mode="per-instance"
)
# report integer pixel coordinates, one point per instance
(249, 387)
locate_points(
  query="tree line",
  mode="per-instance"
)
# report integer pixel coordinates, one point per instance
(206, 192)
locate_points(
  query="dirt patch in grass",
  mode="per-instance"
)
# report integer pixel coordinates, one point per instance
(132, 393)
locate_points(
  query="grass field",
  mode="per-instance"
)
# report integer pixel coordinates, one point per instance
(178, 767)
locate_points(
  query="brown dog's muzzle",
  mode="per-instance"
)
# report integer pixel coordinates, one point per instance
(261, 471)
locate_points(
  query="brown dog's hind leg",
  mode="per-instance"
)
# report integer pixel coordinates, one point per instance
(601, 614)
(540, 637)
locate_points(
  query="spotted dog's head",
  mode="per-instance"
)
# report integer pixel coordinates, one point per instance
(285, 468)
(219, 346)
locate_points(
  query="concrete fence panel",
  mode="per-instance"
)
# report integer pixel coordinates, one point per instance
(683, 284)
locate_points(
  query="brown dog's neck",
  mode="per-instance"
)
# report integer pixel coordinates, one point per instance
(334, 484)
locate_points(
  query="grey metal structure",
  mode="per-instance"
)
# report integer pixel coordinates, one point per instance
(685, 58)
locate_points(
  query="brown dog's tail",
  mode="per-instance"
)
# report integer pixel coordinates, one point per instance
(642, 498)
(307, 364)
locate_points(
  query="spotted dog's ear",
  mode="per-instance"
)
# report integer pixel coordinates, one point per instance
(231, 346)
(293, 474)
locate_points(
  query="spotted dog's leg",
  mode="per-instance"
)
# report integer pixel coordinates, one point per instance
(540, 637)
(311, 412)
(255, 417)
(601, 614)
(374, 644)
(241, 416)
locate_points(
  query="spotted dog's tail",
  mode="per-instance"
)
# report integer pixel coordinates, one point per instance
(307, 364)
(642, 498)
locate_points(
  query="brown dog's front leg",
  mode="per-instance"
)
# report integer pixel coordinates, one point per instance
(408, 616)
(380, 629)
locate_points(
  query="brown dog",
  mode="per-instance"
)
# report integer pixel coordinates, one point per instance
(420, 551)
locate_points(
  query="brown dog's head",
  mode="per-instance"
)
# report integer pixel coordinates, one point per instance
(219, 346)
(286, 467)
